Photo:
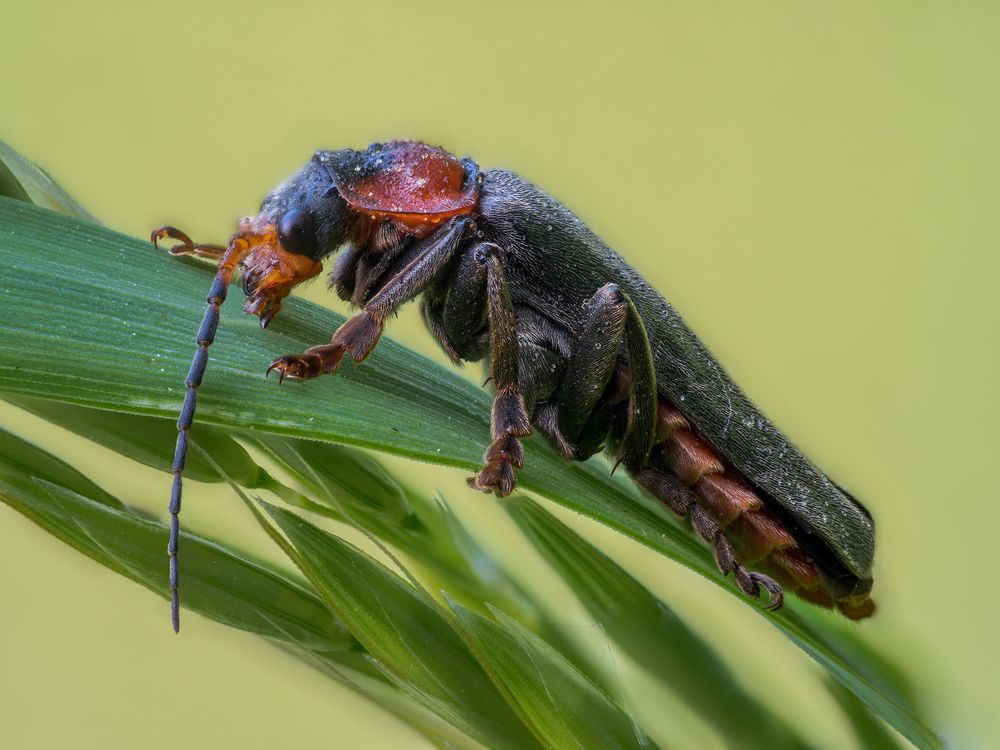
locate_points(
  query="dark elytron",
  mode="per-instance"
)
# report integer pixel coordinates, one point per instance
(580, 348)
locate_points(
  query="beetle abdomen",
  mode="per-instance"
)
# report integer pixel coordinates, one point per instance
(760, 536)
(547, 242)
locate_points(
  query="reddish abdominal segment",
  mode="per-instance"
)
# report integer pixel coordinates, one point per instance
(753, 533)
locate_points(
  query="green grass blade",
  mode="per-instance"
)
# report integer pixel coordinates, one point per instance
(871, 733)
(218, 582)
(110, 323)
(361, 490)
(24, 180)
(351, 484)
(150, 441)
(357, 487)
(22, 461)
(436, 729)
(888, 677)
(565, 709)
(10, 186)
(405, 631)
(652, 634)
(340, 479)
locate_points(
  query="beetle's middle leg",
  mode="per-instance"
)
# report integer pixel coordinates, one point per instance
(509, 418)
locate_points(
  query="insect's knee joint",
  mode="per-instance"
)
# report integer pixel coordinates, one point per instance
(611, 293)
(485, 251)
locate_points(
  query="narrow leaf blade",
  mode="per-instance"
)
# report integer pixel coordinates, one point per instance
(218, 583)
(562, 705)
(24, 180)
(405, 631)
(651, 633)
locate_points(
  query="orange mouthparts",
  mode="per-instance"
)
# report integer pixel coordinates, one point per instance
(269, 271)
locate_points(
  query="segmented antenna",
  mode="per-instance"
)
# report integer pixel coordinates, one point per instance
(206, 335)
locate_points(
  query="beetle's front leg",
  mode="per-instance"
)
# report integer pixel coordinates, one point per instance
(187, 246)
(509, 419)
(359, 334)
(356, 337)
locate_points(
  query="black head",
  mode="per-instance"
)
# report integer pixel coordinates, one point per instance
(301, 222)
(310, 215)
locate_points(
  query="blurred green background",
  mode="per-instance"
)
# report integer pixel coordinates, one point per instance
(815, 187)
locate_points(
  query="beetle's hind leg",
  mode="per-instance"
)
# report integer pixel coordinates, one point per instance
(683, 501)
(611, 325)
(588, 393)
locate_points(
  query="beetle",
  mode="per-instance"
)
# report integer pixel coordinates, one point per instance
(579, 347)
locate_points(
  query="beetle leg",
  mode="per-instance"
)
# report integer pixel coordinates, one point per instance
(463, 310)
(683, 501)
(430, 311)
(360, 333)
(541, 358)
(356, 274)
(641, 427)
(187, 246)
(611, 321)
(456, 316)
(374, 271)
(546, 419)
(476, 315)
(539, 369)
(509, 419)
(343, 277)
(589, 369)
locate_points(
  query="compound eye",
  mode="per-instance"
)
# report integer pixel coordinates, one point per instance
(297, 232)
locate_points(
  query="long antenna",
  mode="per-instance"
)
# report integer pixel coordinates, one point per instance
(206, 335)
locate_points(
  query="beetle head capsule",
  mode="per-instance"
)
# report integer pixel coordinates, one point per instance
(300, 223)
(391, 190)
